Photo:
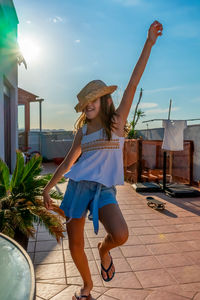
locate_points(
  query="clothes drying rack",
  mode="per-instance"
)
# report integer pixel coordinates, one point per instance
(165, 152)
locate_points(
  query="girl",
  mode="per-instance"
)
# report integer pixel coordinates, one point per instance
(94, 165)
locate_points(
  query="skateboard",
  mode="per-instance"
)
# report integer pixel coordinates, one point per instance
(155, 204)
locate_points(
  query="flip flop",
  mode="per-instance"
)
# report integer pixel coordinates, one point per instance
(107, 270)
(87, 297)
(150, 198)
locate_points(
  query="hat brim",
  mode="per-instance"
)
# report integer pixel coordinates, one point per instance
(94, 95)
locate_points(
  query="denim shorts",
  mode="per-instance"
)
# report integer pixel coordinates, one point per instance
(83, 196)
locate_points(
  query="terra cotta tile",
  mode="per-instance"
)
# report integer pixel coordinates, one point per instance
(174, 260)
(144, 263)
(185, 274)
(153, 278)
(132, 251)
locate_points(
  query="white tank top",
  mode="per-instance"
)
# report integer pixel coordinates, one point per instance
(101, 160)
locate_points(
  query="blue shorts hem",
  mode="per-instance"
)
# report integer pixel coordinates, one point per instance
(76, 216)
(109, 202)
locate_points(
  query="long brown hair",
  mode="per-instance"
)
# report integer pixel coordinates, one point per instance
(107, 112)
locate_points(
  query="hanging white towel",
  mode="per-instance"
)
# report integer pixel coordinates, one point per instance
(173, 134)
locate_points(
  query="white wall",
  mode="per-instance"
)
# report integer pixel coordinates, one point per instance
(9, 76)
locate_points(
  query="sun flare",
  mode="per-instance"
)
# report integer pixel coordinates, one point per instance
(29, 48)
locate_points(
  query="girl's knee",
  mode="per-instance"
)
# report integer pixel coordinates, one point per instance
(76, 246)
(75, 234)
(76, 242)
(121, 236)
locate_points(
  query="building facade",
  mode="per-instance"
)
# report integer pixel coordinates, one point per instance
(8, 83)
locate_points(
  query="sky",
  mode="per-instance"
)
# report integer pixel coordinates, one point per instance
(68, 43)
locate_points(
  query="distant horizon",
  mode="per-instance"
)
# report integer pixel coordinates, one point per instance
(49, 130)
(70, 44)
(43, 129)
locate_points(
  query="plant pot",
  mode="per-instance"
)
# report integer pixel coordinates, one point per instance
(58, 160)
(21, 238)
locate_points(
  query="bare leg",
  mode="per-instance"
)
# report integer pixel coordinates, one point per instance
(75, 230)
(117, 233)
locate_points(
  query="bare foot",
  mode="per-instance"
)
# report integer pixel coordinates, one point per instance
(106, 260)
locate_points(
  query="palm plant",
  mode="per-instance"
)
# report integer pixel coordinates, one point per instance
(21, 201)
(137, 115)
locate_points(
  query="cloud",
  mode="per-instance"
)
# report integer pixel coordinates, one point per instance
(101, 14)
(80, 69)
(28, 22)
(186, 30)
(59, 108)
(195, 100)
(128, 2)
(84, 68)
(117, 96)
(56, 19)
(148, 105)
(160, 110)
(61, 112)
(95, 63)
(173, 88)
(77, 41)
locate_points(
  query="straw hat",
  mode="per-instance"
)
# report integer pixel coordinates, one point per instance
(93, 90)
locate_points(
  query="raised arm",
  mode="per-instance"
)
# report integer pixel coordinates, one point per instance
(125, 105)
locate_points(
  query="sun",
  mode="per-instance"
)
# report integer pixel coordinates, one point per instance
(29, 48)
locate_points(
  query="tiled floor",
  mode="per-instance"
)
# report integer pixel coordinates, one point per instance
(160, 260)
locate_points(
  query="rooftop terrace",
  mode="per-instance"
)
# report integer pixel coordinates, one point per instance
(160, 260)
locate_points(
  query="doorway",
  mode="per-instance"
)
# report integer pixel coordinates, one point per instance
(7, 128)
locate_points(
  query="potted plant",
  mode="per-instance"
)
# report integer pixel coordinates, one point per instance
(131, 146)
(132, 134)
(21, 201)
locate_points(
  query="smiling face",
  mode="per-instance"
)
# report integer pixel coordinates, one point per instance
(92, 109)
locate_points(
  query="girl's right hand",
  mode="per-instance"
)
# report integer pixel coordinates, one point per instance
(47, 200)
(154, 31)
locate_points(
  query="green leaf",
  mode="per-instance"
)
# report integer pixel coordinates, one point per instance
(48, 177)
(4, 178)
(24, 206)
(18, 172)
(56, 195)
(32, 168)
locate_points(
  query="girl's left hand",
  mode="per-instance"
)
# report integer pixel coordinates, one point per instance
(47, 201)
(154, 31)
